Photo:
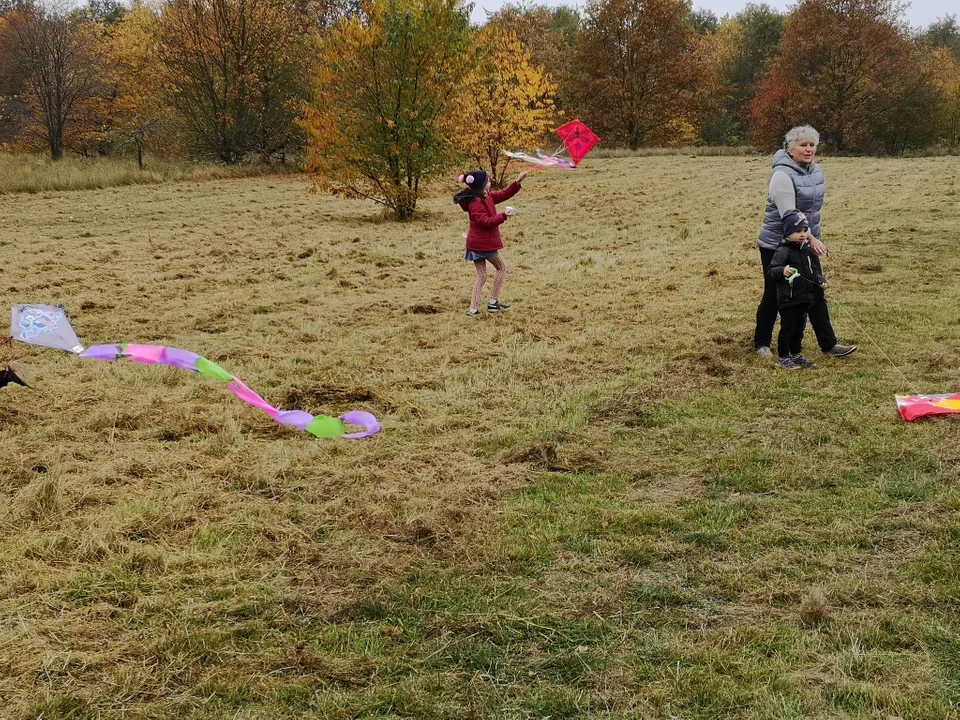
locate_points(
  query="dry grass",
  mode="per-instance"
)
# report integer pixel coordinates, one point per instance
(38, 173)
(605, 153)
(597, 505)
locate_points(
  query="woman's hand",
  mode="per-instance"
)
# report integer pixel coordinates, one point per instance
(521, 176)
(818, 247)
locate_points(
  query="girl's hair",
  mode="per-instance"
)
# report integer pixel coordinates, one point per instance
(801, 131)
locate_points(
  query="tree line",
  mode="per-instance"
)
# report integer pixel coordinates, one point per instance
(377, 96)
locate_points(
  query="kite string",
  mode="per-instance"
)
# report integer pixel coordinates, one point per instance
(8, 341)
(849, 315)
(860, 327)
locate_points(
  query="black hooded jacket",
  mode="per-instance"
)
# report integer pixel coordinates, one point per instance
(805, 289)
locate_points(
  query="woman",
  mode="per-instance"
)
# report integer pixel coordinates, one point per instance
(796, 183)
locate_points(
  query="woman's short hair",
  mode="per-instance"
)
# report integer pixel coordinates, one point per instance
(798, 133)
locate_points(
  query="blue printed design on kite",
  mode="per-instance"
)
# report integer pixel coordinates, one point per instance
(34, 323)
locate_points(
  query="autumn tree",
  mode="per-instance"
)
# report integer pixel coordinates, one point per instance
(57, 55)
(508, 100)
(140, 112)
(637, 73)
(380, 123)
(945, 71)
(849, 68)
(14, 106)
(549, 35)
(324, 14)
(737, 53)
(237, 73)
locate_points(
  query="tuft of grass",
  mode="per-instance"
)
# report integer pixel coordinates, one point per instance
(815, 609)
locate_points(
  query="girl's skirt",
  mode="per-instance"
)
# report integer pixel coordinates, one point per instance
(472, 256)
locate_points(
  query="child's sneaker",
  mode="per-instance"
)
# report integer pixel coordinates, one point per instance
(473, 311)
(802, 361)
(496, 306)
(789, 363)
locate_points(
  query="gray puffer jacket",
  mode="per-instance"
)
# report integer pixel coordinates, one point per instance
(809, 188)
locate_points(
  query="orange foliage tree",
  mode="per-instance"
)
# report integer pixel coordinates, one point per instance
(381, 120)
(139, 111)
(637, 72)
(847, 67)
(57, 55)
(506, 103)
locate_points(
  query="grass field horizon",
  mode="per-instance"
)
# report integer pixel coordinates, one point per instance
(600, 504)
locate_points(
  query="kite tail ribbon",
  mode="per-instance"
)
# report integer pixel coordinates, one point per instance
(321, 426)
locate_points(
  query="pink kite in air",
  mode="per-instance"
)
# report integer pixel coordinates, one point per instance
(578, 141)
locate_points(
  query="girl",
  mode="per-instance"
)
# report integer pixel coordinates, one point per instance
(483, 239)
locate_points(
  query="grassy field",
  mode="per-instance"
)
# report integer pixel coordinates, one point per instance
(597, 505)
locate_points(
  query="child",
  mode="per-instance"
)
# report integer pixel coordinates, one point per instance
(17, 374)
(483, 239)
(796, 270)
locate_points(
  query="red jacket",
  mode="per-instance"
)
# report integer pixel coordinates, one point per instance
(485, 221)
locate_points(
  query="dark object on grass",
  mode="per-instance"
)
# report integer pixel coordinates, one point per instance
(16, 374)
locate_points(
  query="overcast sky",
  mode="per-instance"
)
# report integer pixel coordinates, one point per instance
(919, 13)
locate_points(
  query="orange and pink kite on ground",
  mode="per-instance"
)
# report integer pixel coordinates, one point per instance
(912, 407)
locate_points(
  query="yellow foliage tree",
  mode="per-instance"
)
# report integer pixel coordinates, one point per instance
(380, 123)
(946, 77)
(506, 103)
(139, 110)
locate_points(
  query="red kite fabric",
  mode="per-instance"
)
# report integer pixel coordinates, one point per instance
(912, 407)
(578, 139)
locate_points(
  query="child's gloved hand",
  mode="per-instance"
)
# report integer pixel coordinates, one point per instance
(510, 211)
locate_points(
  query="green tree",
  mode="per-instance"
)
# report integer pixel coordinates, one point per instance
(703, 22)
(945, 33)
(746, 43)
(380, 123)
